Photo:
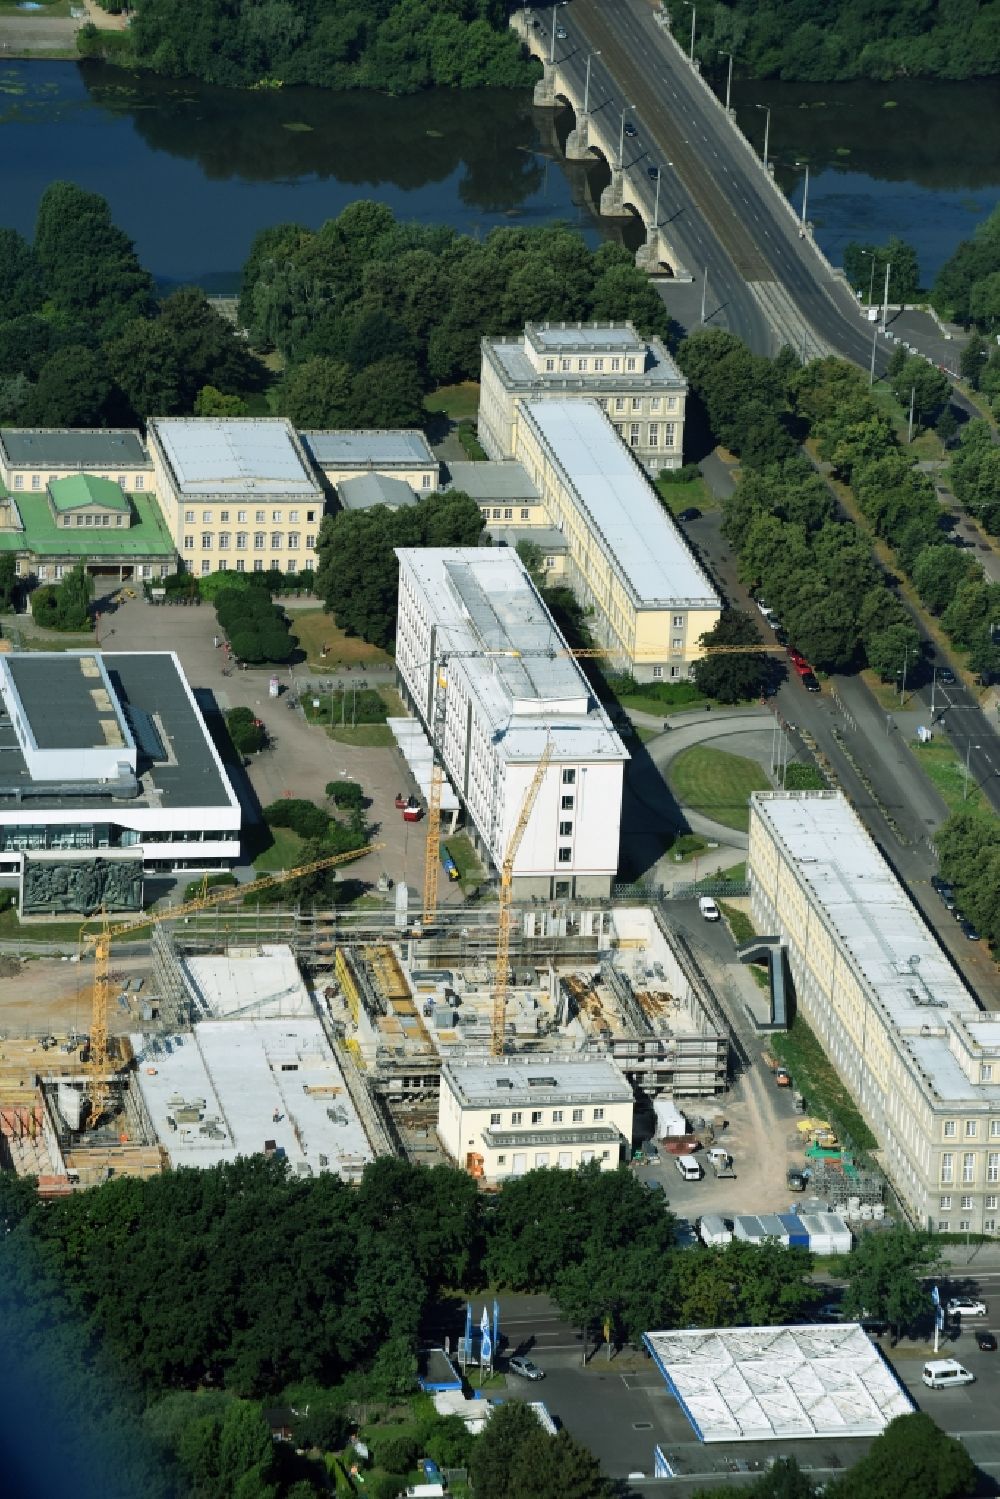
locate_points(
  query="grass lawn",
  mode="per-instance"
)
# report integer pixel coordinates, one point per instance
(814, 1075)
(285, 852)
(460, 402)
(716, 784)
(945, 767)
(644, 735)
(67, 932)
(886, 694)
(678, 497)
(740, 925)
(469, 868)
(637, 703)
(368, 735)
(314, 629)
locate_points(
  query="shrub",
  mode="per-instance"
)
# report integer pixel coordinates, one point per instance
(346, 794)
(246, 731)
(800, 777)
(45, 606)
(213, 882)
(329, 1430)
(397, 1454)
(682, 475)
(302, 816)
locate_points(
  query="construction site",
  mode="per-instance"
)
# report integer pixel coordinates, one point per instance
(326, 1049)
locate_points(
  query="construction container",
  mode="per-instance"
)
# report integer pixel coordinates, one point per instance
(715, 1230)
(796, 1235)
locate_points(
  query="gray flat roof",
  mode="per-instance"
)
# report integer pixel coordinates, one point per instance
(886, 940)
(504, 641)
(148, 686)
(562, 336)
(210, 455)
(507, 480)
(89, 449)
(640, 540)
(404, 448)
(365, 490)
(68, 700)
(479, 1082)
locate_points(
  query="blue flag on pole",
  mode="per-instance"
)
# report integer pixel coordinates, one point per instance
(485, 1347)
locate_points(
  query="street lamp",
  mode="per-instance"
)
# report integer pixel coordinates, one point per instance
(656, 199)
(586, 86)
(694, 18)
(805, 193)
(871, 280)
(885, 297)
(767, 128)
(621, 138)
(729, 79)
(968, 756)
(552, 45)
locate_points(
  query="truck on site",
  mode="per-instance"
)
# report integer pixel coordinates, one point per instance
(721, 1162)
(782, 1076)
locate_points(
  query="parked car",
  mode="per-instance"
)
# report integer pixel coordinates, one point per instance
(986, 1341)
(831, 1311)
(966, 1306)
(691, 513)
(802, 665)
(764, 607)
(810, 683)
(945, 891)
(561, 33)
(525, 1367)
(946, 676)
(969, 932)
(708, 908)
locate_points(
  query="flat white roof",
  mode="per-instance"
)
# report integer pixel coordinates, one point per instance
(478, 1082)
(490, 620)
(639, 539)
(753, 1384)
(260, 983)
(884, 937)
(356, 449)
(210, 455)
(239, 1075)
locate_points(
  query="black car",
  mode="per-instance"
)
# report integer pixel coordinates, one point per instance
(946, 676)
(653, 173)
(691, 513)
(810, 683)
(780, 634)
(986, 1341)
(969, 931)
(630, 128)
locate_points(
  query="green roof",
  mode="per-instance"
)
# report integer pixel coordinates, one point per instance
(42, 537)
(78, 490)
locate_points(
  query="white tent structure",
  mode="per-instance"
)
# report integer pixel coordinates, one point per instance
(418, 753)
(756, 1384)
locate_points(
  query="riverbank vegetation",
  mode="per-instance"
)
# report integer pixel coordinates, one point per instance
(394, 46)
(967, 291)
(825, 40)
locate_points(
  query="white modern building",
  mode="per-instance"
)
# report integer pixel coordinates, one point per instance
(108, 774)
(477, 651)
(921, 1061)
(627, 559)
(504, 1116)
(237, 493)
(635, 379)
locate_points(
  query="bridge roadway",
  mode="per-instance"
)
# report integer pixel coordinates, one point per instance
(716, 204)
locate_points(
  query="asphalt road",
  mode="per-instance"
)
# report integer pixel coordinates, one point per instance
(715, 199)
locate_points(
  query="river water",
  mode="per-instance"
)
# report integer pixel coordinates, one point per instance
(192, 173)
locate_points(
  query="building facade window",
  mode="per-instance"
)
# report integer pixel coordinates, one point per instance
(189, 517)
(224, 541)
(293, 541)
(947, 1167)
(971, 1128)
(986, 1072)
(657, 673)
(950, 1129)
(966, 1204)
(968, 1167)
(241, 516)
(206, 517)
(515, 1118)
(557, 1116)
(945, 1204)
(494, 1119)
(678, 621)
(569, 777)
(206, 541)
(189, 543)
(567, 804)
(565, 855)
(993, 1166)
(669, 434)
(565, 830)
(241, 541)
(206, 565)
(260, 516)
(654, 434)
(275, 541)
(633, 434)
(577, 1116)
(140, 481)
(536, 1116)
(598, 1114)
(619, 403)
(258, 541)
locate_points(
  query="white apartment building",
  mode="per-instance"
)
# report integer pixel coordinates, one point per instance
(237, 493)
(921, 1061)
(476, 646)
(504, 1116)
(627, 560)
(108, 773)
(635, 379)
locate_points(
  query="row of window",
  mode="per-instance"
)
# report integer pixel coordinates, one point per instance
(210, 517)
(990, 1203)
(209, 543)
(634, 438)
(965, 1225)
(597, 363)
(619, 404)
(88, 518)
(290, 565)
(498, 512)
(138, 481)
(537, 1116)
(969, 1166)
(565, 1159)
(972, 1125)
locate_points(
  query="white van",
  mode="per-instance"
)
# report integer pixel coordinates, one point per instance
(708, 908)
(939, 1373)
(689, 1168)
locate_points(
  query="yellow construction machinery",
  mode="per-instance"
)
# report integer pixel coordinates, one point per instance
(101, 1061)
(501, 975)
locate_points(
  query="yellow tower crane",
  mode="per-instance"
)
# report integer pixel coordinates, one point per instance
(501, 975)
(101, 1061)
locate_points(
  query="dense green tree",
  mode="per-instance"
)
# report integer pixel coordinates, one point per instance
(971, 266)
(211, 402)
(90, 267)
(731, 678)
(911, 1459)
(891, 649)
(21, 285)
(387, 393)
(922, 384)
(971, 360)
(886, 1274)
(938, 572)
(73, 390)
(14, 393)
(904, 272)
(317, 393)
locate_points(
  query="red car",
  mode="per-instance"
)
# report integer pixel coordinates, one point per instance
(802, 666)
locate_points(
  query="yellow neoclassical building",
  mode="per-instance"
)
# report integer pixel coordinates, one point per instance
(237, 493)
(626, 559)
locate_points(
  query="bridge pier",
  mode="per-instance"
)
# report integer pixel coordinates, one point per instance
(657, 257)
(545, 88)
(578, 140)
(613, 197)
